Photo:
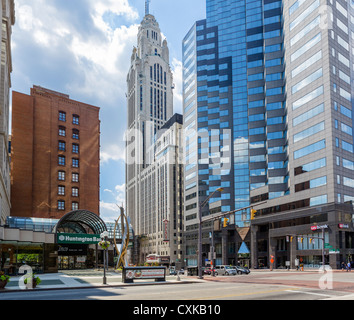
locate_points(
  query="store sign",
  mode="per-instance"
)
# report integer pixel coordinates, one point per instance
(70, 250)
(136, 273)
(166, 230)
(324, 226)
(343, 226)
(78, 238)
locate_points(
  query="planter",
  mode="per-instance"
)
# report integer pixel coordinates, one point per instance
(3, 284)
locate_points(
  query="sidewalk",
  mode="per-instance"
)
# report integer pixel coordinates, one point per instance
(77, 279)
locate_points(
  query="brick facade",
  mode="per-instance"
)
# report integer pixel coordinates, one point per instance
(35, 151)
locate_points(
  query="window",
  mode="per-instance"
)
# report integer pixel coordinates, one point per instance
(309, 132)
(308, 115)
(307, 46)
(75, 177)
(307, 98)
(304, 14)
(310, 166)
(61, 205)
(62, 131)
(61, 190)
(75, 163)
(75, 206)
(76, 119)
(61, 161)
(76, 134)
(62, 146)
(62, 116)
(308, 80)
(75, 192)
(309, 149)
(61, 175)
(75, 148)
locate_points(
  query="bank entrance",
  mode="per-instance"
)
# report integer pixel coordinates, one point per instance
(77, 235)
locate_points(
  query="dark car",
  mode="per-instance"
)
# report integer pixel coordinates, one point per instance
(242, 270)
(173, 272)
(206, 271)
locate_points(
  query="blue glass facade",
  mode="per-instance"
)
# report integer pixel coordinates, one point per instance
(250, 33)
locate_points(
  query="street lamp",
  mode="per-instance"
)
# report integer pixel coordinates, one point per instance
(104, 244)
(201, 206)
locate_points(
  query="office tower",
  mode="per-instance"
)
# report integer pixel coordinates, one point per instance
(150, 109)
(8, 20)
(54, 155)
(291, 123)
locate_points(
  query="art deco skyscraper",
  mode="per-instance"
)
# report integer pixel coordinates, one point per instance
(150, 105)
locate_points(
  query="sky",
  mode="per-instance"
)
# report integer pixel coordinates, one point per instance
(82, 48)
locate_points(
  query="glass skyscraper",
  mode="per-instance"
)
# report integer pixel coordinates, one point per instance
(268, 117)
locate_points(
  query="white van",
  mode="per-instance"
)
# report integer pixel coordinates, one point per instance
(225, 270)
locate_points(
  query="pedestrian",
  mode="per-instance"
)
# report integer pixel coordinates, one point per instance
(348, 266)
(343, 266)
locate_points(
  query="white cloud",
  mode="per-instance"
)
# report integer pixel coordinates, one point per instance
(112, 152)
(109, 211)
(177, 68)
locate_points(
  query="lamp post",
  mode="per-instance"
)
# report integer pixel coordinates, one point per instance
(201, 206)
(104, 244)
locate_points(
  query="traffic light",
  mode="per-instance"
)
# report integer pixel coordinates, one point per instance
(253, 214)
(226, 222)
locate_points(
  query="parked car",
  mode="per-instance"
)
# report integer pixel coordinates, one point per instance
(206, 271)
(242, 270)
(181, 271)
(209, 271)
(173, 272)
(225, 270)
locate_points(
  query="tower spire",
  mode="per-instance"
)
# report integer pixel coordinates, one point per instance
(147, 7)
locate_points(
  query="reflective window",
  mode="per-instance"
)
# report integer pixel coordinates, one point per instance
(308, 80)
(304, 14)
(307, 98)
(307, 46)
(309, 132)
(310, 149)
(308, 115)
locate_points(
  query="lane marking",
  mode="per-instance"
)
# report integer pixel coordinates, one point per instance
(313, 293)
(241, 294)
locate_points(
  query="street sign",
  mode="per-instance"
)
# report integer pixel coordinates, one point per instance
(328, 246)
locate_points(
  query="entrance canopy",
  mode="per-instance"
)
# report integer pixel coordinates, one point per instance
(80, 221)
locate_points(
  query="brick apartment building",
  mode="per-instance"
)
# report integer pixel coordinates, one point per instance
(55, 147)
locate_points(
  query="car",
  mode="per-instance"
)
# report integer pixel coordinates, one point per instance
(173, 272)
(206, 271)
(225, 270)
(242, 270)
(181, 271)
(210, 270)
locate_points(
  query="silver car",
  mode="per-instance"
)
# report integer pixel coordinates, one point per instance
(225, 270)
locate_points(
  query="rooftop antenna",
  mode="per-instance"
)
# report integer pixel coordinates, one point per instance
(147, 7)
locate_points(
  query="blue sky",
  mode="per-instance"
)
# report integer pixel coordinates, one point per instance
(83, 48)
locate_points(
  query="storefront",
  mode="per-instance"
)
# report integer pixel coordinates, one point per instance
(306, 237)
(77, 235)
(49, 245)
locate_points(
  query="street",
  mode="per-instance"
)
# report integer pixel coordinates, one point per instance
(262, 285)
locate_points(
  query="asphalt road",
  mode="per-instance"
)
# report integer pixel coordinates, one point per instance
(257, 286)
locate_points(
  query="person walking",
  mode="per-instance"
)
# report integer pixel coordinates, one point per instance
(343, 266)
(348, 266)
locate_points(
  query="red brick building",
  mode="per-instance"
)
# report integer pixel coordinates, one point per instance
(55, 148)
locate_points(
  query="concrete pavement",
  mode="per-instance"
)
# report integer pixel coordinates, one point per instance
(76, 279)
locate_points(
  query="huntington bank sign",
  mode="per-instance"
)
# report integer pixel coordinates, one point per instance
(70, 238)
